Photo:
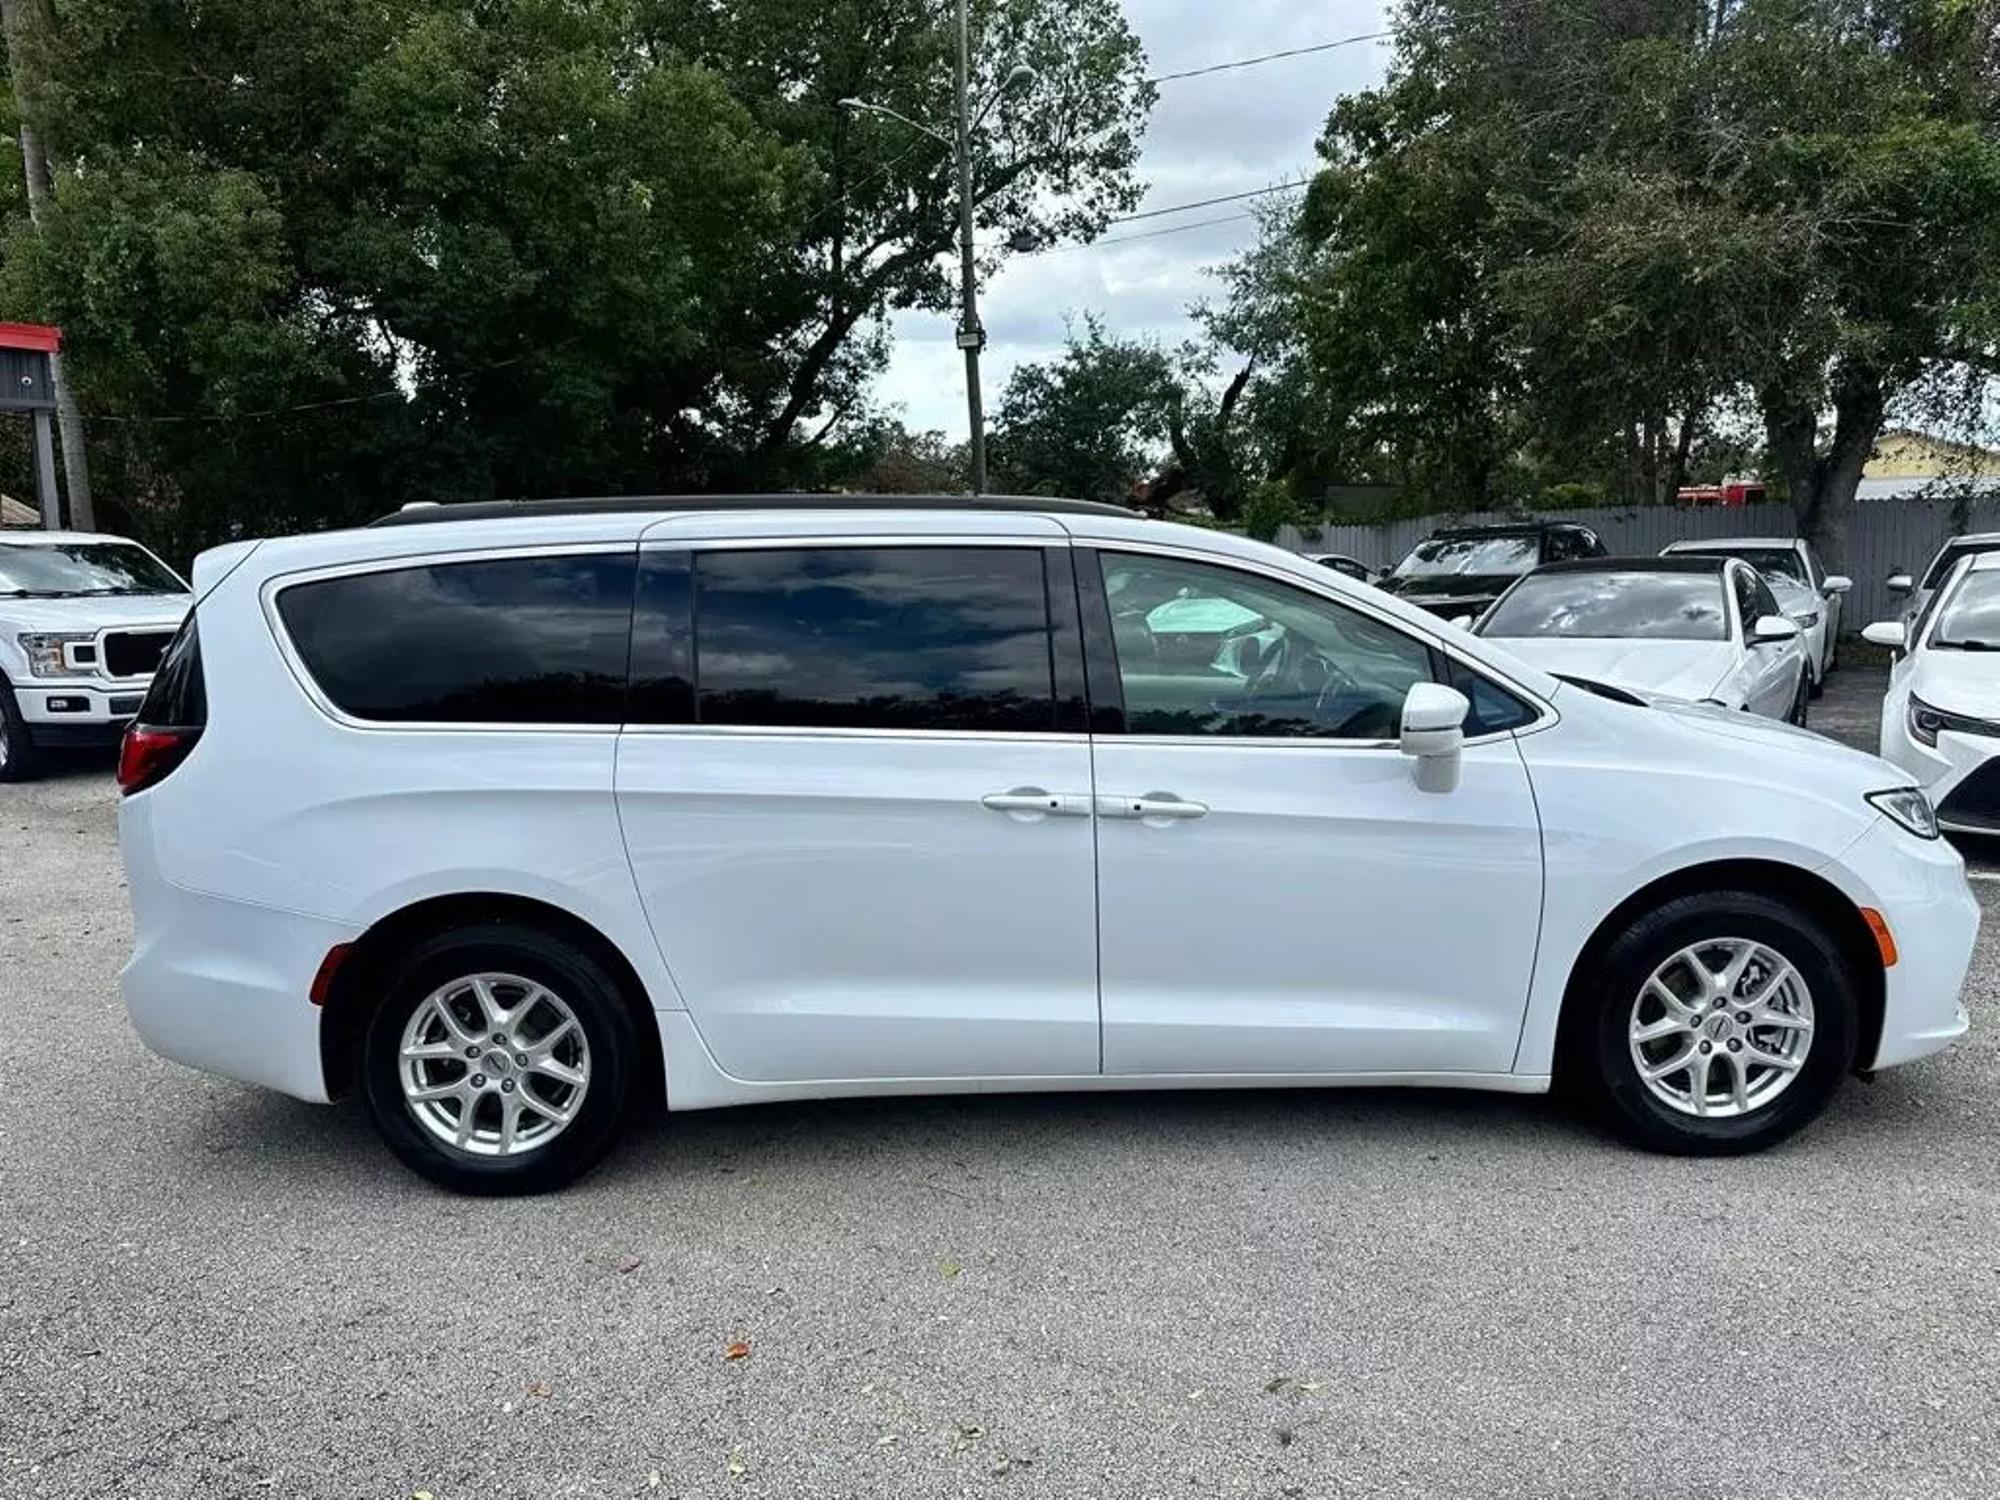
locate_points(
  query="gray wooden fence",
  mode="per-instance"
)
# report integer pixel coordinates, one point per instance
(1886, 536)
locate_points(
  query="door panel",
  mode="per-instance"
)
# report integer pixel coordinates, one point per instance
(848, 908)
(1275, 895)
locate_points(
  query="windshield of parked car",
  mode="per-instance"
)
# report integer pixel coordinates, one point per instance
(1616, 604)
(1445, 556)
(1773, 562)
(1970, 618)
(1948, 558)
(63, 570)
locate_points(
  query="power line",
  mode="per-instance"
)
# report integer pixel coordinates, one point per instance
(1181, 208)
(1268, 57)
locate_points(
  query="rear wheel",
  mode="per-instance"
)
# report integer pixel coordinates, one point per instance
(20, 757)
(1718, 1023)
(500, 1062)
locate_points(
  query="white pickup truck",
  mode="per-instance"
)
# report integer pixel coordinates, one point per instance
(83, 620)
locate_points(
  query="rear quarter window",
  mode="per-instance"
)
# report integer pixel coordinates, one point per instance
(519, 640)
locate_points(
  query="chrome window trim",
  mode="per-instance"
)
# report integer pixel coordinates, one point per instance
(275, 586)
(1546, 714)
(788, 732)
(831, 540)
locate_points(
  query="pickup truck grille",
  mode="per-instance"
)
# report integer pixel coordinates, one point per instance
(134, 653)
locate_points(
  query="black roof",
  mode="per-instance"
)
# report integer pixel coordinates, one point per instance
(1500, 528)
(1679, 562)
(504, 510)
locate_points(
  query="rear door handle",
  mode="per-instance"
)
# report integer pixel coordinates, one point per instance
(1152, 805)
(1030, 802)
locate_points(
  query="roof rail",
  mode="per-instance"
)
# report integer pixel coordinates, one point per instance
(431, 513)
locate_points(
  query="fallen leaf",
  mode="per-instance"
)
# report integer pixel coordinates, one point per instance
(948, 1269)
(506, 1406)
(738, 1350)
(1276, 1384)
(736, 1464)
(886, 1440)
(970, 1433)
(539, 1389)
(652, 1479)
(629, 1264)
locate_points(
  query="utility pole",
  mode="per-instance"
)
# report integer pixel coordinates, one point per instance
(28, 24)
(971, 336)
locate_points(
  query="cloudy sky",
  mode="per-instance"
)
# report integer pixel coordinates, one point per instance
(1226, 133)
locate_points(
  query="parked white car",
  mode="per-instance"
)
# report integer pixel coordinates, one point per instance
(1941, 714)
(1804, 589)
(517, 819)
(83, 620)
(1919, 589)
(1702, 629)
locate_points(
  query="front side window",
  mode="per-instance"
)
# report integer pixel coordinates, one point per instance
(1206, 650)
(72, 570)
(523, 640)
(912, 637)
(1612, 603)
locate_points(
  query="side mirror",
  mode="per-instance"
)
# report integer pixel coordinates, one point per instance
(1771, 629)
(1899, 583)
(1888, 633)
(1434, 734)
(1836, 583)
(1465, 622)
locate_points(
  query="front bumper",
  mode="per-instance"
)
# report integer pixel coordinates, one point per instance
(1961, 773)
(1920, 888)
(219, 985)
(59, 712)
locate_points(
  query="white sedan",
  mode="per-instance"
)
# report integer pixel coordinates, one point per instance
(1941, 715)
(1703, 629)
(1810, 595)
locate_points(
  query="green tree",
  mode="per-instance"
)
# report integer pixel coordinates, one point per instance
(1091, 425)
(315, 257)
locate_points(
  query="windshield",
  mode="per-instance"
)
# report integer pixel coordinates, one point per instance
(67, 569)
(1773, 562)
(1970, 619)
(1444, 556)
(1619, 605)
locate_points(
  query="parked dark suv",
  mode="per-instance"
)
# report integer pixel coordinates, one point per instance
(1460, 570)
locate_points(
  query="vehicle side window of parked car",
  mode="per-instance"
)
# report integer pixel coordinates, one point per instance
(516, 640)
(1743, 583)
(884, 638)
(1494, 709)
(1815, 574)
(1766, 601)
(1211, 651)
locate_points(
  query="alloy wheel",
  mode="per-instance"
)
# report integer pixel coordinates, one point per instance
(494, 1065)
(1721, 1028)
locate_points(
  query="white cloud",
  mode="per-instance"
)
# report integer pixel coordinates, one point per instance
(1226, 133)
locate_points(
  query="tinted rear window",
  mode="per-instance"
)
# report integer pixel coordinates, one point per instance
(529, 640)
(178, 696)
(953, 638)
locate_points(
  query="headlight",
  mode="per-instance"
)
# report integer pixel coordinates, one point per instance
(46, 654)
(1925, 723)
(1908, 806)
(1807, 621)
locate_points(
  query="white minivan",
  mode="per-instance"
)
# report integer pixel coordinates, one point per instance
(521, 820)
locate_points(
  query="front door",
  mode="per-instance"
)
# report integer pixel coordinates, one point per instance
(1773, 667)
(856, 796)
(1275, 894)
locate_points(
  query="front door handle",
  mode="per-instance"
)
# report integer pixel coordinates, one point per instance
(1031, 802)
(1152, 805)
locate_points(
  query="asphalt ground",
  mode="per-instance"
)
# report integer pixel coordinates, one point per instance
(210, 1291)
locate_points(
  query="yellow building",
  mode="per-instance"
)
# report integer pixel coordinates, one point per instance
(1902, 453)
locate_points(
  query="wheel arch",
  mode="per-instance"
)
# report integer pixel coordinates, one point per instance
(357, 987)
(1816, 896)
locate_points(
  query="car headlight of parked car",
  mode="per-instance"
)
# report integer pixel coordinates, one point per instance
(1926, 723)
(1807, 620)
(46, 652)
(1909, 807)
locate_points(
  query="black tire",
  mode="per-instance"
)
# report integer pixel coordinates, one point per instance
(1598, 1065)
(20, 757)
(581, 984)
(1801, 702)
(1818, 681)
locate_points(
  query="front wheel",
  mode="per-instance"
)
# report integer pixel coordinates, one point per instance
(1718, 1023)
(1801, 702)
(20, 757)
(500, 1062)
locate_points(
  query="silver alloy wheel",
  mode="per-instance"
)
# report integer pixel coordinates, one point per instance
(5, 747)
(1721, 1028)
(494, 1065)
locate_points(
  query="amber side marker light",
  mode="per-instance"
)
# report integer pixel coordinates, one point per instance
(1885, 941)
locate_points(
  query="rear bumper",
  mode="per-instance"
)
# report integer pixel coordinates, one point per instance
(220, 985)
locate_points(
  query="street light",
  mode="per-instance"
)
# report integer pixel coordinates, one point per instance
(971, 336)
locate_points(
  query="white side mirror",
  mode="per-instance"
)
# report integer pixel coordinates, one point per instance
(1464, 622)
(1899, 583)
(1434, 733)
(1888, 633)
(1836, 583)
(1771, 629)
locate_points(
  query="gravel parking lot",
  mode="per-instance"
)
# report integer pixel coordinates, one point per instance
(206, 1290)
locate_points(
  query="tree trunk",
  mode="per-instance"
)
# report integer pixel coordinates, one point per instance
(1822, 487)
(1677, 475)
(30, 26)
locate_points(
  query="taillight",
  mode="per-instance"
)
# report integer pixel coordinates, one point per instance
(148, 756)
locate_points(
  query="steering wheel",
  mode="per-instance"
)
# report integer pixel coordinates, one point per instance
(1292, 670)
